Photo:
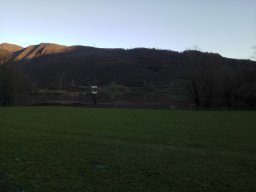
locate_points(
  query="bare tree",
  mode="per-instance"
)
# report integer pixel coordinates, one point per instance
(12, 82)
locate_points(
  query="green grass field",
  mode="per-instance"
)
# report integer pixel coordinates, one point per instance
(59, 149)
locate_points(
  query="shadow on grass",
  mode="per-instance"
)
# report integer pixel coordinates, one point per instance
(6, 185)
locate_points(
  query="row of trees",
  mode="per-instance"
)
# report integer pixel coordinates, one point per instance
(221, 84)
(12, 81)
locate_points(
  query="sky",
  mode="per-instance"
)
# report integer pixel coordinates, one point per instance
(227, 27)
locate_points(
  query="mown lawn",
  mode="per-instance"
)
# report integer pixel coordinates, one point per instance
(59, 149)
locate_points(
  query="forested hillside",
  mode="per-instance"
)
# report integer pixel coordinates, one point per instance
(210, 79)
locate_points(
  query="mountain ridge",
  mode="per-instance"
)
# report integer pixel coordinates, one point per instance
(32, 51)
(47, 61)
(10, 47)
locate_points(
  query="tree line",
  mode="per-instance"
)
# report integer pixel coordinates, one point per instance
(12, 81)
(214, 82)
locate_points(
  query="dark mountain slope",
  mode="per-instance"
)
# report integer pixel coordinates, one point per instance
(47, 63)
(207, 78)
(84, 65)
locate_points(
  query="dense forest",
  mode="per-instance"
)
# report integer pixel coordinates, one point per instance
(209, 79)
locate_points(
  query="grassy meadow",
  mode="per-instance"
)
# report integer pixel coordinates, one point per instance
(59, 149)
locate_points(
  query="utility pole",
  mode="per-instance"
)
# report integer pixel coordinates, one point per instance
(60, 86)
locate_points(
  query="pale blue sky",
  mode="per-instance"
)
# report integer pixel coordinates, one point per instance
(224, 26)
